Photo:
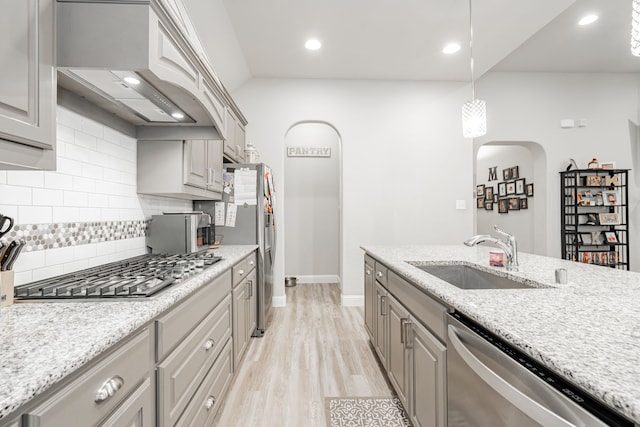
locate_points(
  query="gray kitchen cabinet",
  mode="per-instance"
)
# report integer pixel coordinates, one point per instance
(409, 335)
(235, 140)
(244, 306)
(369, 295)
(99, 392)
(427, 374)
(381, 324)
(27, 85)
(190, 169)
(399, 349)
(136, 411)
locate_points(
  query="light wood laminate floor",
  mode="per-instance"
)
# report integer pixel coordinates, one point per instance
(314, 348)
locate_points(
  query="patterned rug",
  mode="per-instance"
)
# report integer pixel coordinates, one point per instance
(365, 412)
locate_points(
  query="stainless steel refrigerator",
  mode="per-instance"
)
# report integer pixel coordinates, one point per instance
(254, 224)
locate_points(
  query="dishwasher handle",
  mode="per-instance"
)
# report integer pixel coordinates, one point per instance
(533, 409)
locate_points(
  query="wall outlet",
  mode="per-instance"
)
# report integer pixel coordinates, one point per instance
(461, 204)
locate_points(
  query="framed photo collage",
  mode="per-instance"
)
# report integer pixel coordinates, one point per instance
(510, 194)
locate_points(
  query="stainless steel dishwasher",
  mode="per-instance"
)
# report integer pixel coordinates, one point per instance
(492, 384)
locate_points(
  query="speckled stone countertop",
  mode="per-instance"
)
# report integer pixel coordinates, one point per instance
(41, 343)
(588, 330)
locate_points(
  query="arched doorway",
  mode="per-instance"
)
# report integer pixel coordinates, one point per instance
(312, 203)
(526, 163)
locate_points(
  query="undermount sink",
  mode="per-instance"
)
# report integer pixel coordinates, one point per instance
(465, 277)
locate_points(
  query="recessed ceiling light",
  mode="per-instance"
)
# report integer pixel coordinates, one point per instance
(131, 80)
(177, 116)
(313, 44)
(451, 48)
(589, 19)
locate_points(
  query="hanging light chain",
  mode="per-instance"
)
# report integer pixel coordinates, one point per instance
(473, 88)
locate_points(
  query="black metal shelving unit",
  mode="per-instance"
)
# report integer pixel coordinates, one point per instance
(595, 216)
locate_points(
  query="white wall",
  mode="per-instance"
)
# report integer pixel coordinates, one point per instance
(312, 206)
(92, 192)
(404, 160)
(529, 107)
(518, 222)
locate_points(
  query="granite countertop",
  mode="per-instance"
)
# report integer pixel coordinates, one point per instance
(41, 343)
(588, 330)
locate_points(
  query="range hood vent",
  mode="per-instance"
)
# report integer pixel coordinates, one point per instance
(136, 60)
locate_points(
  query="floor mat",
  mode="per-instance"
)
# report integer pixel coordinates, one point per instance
(365, 412)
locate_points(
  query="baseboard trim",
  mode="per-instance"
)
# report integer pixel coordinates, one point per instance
(279, 301)
(352, 300)
(320, 278)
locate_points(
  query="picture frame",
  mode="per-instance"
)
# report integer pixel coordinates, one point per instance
(511, 187)
(503, 206)
(529, 190)
(520, 186)
(611, 197)
(593, 180)
(514, 203)
(495, 198)
(586, 238)
(502, 189)
(506, 174)
(609, 218)
(488, 192)
(524, 204)
(611, 237)
(480, 203)
(515, 172)
(480, 190)
(608, 165)
(488, 205)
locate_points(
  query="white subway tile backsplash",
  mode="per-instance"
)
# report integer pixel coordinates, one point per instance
(76, 152)
(106, 248)
(98, 260)
(84, 251)
(22, 277)
(69, 166)
(9, 210)
(97, 200)
(65, 214)
(45, 273)
(65, 134)
(12, 195)
(70, 267)
(59, 181)
(47, 197)
(88, 214)
(59, 255)
(3, 177)
(34, 179)
(87, 141)
(75, 198)
(87, 185)
(92, 171)
(101, 159)
(68, 118)
(30, 260)
(34, 215)
(111, 175)
(92, 128)
(112, 149)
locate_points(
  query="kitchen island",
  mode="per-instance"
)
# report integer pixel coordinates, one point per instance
(586, 330)
(41, 344)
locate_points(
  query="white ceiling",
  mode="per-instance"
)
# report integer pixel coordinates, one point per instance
(391, 39)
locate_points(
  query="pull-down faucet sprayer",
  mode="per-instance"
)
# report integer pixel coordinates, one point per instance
(509, 246)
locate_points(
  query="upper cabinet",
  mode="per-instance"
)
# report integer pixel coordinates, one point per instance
(234, 142)
(27, 85)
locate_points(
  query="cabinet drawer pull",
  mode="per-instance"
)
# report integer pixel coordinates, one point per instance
(210, 402)
(368, 272)
(109, 388)
(402, 330)
(383, 303)
(250, 290)
(208, 345)
(240, 272)
(379, 274)
(408, 342)
(252, 263)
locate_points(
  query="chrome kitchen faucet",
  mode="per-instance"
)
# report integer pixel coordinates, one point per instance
(509, 245)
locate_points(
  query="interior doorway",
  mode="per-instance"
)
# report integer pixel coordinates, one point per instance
(312, 184)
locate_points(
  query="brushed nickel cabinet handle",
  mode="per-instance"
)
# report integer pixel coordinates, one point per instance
(408, 342)
(402, 330)
(368, 272)
(109, 388)
(210, 402)
(379, 274)
(241, 272)
(208, 344)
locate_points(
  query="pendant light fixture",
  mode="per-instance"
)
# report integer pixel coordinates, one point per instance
(474, 112)
(635, 28)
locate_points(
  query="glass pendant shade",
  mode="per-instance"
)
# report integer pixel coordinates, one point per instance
(635, 28)
(474, 118)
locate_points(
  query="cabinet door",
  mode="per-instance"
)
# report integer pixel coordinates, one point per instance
(195, 163)
(136, 411)
(27, 83)
(240, 142)
(214, 165)
(240, 338)
(381, 327)
(252, 304)
(427, 403)
(369, 295)
(398, 362)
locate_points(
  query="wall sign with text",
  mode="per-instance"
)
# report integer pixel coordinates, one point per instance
(308, 151)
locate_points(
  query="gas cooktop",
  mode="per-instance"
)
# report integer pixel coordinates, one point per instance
(137, 277)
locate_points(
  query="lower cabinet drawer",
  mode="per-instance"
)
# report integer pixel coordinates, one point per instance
(94, 395)
(136, 411)
(183, 370)
(202, 409)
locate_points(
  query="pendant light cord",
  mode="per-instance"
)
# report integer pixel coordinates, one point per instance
(473, 88)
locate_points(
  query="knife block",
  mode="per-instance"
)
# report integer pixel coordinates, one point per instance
(6, 288)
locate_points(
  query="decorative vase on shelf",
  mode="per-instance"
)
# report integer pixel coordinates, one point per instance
(593, 164)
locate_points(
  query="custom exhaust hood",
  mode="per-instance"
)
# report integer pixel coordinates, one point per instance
(138, 61)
